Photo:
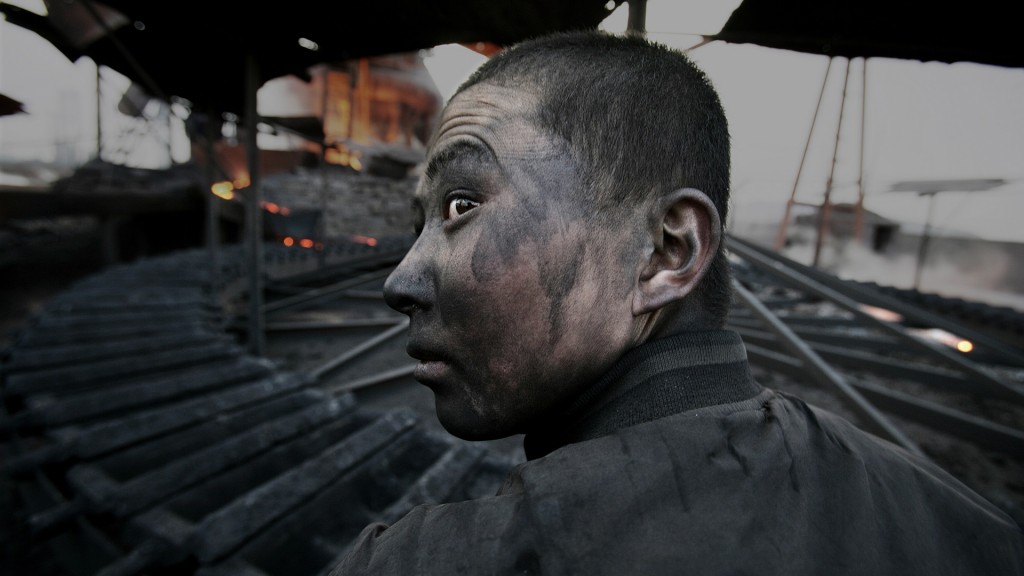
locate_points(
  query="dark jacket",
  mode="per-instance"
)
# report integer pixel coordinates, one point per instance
(678, 462)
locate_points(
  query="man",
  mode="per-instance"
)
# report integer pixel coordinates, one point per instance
(569, 283)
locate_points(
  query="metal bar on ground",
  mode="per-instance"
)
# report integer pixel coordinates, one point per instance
(984, 382)
(953, 422)
(340, 324)
(374, 379)
(874, 420)
(227, 528)
(351, 265)
(364, 294)
(983, 432)
(319, 294)
(875, 298)
(320, 372)
(931, 376)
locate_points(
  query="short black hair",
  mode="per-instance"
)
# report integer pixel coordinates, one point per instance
(641, 119)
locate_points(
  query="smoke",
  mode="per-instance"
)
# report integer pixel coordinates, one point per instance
(954, 267)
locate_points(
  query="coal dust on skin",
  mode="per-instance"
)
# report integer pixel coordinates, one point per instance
(507, 286)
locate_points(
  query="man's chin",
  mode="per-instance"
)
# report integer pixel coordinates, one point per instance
(468, 425)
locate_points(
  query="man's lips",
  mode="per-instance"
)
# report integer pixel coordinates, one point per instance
(431, 371)
(433, 366)
(421, 352)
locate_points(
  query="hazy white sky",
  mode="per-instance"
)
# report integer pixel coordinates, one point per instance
(924, 120)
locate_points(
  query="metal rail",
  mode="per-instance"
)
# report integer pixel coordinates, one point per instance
(873, 419)
(863, 294)
(985, 383)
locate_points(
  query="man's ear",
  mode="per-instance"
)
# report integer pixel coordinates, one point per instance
(685, 232)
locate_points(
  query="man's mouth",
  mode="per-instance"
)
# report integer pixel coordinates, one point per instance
(433, 366)
(431, 371)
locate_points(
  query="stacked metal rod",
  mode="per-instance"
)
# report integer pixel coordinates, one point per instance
(870, 353)
(145, 438)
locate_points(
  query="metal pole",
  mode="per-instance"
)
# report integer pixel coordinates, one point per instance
(99, 114)
(637, 23)
(826, 206)
(858, 217)
(780, 239)
(922, 248)
(874, 420)
(212, 208)
(322, 224)
(253, 212)
(170, 134)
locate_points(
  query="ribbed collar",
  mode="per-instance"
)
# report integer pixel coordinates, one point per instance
(657, 379)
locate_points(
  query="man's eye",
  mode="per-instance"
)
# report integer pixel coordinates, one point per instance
(458, 206)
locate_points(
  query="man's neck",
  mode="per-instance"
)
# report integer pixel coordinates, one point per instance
(663, 377)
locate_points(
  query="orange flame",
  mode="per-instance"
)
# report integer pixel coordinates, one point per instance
(288, 241)
(306, 243)
(345, 157)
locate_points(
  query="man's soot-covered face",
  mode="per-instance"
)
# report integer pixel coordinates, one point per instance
(516, 300)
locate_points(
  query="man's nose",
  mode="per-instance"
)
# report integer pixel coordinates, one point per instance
(408, 288)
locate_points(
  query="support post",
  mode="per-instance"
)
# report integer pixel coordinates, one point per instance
(99, 113)
(322, 223)
(858, 216)
(170, 134)
(780, 238)
(253, 212)
(922, 247)
(212, 206)
(637, 23)
(826, 205)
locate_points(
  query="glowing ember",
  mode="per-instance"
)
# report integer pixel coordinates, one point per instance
(882, 313)
(241, 182)
(365, 240)
(344, 157)
(271, 207)
(288, 241)
(223, 190)
(306, 243)
(942, 337)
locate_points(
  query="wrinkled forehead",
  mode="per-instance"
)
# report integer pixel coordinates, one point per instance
(501, 118)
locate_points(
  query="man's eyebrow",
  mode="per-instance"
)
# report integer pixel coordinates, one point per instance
(462, 150)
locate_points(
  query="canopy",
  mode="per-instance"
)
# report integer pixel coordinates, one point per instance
(10, 106)
(197, 49)
(985, 31)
